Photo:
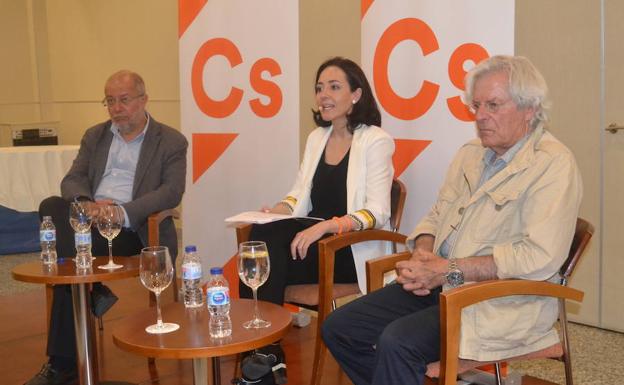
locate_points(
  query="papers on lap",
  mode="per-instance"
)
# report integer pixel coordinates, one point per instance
(258, 217)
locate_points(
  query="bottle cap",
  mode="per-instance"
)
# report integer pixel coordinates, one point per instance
(190, 249)
(216, 271)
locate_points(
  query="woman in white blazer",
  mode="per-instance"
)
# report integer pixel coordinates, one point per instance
(345, 178)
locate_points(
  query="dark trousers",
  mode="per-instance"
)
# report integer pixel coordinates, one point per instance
(386, 337)
(286, 271)
(61, 336)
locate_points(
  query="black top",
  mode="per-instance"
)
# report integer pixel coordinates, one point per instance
(329, 189)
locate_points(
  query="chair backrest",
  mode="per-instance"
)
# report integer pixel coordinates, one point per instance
(582, 235)
(398, 193)
(153, 225)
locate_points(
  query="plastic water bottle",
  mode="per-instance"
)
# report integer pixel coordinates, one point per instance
(47, 238)
(191, 277)
(218, 299)
(83, 249)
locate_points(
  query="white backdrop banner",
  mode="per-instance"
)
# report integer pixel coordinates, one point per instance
(416, 54)
(239, 97)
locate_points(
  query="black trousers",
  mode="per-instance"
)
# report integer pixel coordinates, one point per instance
(286, 271)
(61, 336)
(386, 337)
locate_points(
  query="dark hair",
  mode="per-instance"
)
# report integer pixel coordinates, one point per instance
(365, 111)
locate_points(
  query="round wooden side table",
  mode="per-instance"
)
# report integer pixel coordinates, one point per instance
(192, 340)
(65, 272)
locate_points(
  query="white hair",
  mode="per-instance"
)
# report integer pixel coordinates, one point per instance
(527, 86)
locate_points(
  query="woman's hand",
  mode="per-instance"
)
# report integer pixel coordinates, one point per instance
(302, 241)
(279, 208)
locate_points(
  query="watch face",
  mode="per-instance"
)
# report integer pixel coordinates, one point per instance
(455, 278)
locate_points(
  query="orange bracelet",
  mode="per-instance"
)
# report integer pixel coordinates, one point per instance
(337, 221)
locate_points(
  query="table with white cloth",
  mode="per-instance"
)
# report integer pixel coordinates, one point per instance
(27, 176)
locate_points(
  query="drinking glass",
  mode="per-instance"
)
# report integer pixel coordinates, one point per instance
(156, 271)
(80, 220)
(109, 222)
(80, 217)
(253, 269)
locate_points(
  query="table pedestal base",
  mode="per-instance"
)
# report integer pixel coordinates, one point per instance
(83, 321)
(200, 371)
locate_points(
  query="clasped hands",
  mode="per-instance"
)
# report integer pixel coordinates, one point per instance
(422, 272)
(94, 208)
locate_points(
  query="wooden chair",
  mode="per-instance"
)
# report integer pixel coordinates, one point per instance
(322, 296)
(453, 301)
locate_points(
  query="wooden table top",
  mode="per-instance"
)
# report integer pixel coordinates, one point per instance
(65, 272)
(192, 339)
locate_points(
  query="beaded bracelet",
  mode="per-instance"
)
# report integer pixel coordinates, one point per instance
(359, 224)
(286, 204)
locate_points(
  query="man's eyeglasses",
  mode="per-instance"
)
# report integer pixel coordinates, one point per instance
(490, 106)
(124, 100)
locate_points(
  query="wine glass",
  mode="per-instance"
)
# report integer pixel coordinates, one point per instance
(109, 222)
(80, 220)
(156, 271)
(253, 269)
(80, 217)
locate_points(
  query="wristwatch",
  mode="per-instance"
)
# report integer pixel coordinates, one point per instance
(454, 277)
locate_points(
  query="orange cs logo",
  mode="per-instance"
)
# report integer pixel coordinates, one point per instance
(416, 106)
(226, 107)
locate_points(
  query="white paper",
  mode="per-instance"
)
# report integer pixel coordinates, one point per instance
(257, 217)
(260, 217)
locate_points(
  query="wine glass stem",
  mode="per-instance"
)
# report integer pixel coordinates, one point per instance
(158, 314)
(110, 251)
(255, 296)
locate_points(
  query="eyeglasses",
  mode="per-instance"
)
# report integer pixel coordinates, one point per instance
(124, 100)
(490, 106)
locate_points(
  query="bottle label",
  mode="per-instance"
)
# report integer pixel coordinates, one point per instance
(218, 295)
(191, 271)
(82, 238)
(47, 235)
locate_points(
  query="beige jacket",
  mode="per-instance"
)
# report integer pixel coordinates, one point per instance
(525, 217)
(369, 180)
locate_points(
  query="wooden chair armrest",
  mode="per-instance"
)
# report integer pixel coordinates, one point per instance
(472, 293)
(453, 301)
(338, 241)
(243, 231)
(377, 267)
(153, 224)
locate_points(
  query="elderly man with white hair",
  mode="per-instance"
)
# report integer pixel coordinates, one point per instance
(507, 209)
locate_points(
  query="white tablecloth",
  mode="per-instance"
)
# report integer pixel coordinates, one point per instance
(30, 174)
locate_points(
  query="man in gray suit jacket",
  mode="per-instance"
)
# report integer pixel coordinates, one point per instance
(131, 160)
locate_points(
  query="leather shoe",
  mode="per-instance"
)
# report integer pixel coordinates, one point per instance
(102, 299)
(49, 376)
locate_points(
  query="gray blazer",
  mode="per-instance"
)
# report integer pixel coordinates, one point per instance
(158, 182)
